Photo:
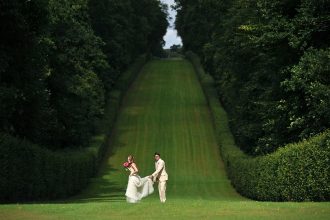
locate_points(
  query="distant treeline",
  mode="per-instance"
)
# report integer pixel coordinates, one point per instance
(271, 63)
(60, 58)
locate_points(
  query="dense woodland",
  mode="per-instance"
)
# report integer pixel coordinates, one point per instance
(60, 58)
(271, 63)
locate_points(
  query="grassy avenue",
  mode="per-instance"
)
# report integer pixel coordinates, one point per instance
(165, 110)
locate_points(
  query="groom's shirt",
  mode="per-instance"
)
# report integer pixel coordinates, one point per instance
(160, 172)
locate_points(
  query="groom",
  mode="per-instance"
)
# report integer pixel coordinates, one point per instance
(160, 176)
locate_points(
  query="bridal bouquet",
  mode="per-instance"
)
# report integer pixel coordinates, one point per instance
(126, 165)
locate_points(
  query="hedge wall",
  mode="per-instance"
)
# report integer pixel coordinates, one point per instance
(295, 172)
(30, 172)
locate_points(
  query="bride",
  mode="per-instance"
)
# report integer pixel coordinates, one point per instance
(137, 187)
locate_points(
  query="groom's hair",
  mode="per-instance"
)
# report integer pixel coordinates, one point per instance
(157, 154)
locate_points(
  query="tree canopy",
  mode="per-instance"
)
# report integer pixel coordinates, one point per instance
(60, 58)
(270, 60)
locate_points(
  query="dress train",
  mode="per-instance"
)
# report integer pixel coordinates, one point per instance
(138, 188)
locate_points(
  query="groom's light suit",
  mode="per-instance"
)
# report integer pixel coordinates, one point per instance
(161, 176)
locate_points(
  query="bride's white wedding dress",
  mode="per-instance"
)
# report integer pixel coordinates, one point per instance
(138, 188)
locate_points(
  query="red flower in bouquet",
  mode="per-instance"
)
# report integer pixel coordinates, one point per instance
(126, 165)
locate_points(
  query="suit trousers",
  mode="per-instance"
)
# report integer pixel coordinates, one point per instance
(162, 190)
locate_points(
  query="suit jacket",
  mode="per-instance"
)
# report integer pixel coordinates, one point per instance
(160, 173)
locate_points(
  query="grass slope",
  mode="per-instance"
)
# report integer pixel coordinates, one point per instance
(165, 111)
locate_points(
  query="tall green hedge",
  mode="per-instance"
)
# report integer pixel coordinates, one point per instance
(295, 172)
(30, 172)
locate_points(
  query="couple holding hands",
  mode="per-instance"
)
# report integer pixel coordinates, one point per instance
(138, 188)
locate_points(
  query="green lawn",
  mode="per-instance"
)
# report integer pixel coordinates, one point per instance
(165, 111)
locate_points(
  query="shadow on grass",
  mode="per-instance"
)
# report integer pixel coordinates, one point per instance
(103, 187)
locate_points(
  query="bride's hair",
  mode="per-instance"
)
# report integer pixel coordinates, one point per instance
(131, 158)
